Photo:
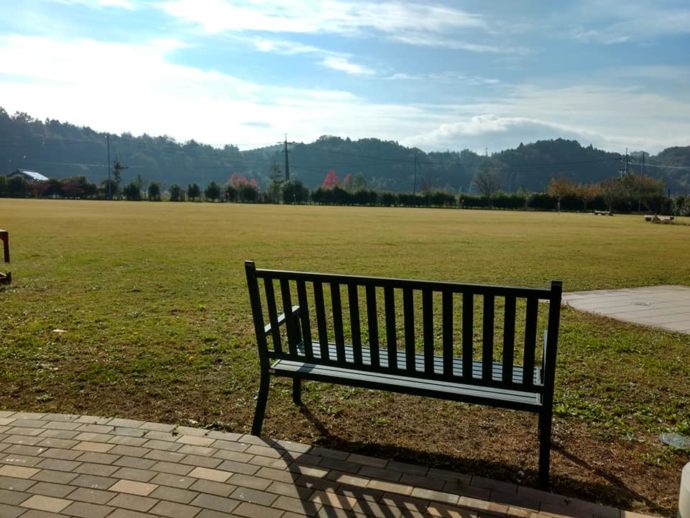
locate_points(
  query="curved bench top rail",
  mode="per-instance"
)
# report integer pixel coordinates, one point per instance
(414, 284)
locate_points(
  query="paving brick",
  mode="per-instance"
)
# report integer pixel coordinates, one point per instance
(340, 465)
(20, 460)
(160, 427)
(494, 485)
(195, 440)
(58, 464)
(125, 423)
(17, 471)
(12, 497)
(50, 489)
(10, 511)
(276, 474)
(133, 487)
(347, 478)
(201, 461)
(22, 439)
(172, 480)
(217, 503)
(264, 451)
(209, 513)
(155, 444)
(57, 477)
(365, 460)
(94, 496)
(93, 437)
(235, 456)
(131, 451)
(100, 447)
(165, 456)
(213, 488)
(174, 494)
(174, 510)
(189, 430)
(308, 470)
(294, 446)
(161, 436)
(295, 505)
(127, 440)
(281, 488)
(436, 496)
(60, 453)
(24, 432)
(391, 487)
(253, 439)
(172, 467)
(86, 510)
(127, 513)
(379, 473)
(55, 442)
(249, 481)
(45, 503)
(95, 428)
(61, 425)
(421, 481)
(268, 462)
(134, 462)
(97, 458)
(210, 474)
(140, 475)
(327, 452)
(24, 449)
(238, 467)
(93, 482)
(15, 484)
(133, 502)
(232, 446)
(256, 511)
(331, 499)
(102, 470)
(28, 423)
(253, 496)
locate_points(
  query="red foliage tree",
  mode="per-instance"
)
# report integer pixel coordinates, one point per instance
(330, 180)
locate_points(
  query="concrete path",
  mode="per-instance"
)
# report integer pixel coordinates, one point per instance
(666, 307)
(94, 467)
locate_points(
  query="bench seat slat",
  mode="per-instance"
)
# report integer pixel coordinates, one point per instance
(407, 384)
(477, 367)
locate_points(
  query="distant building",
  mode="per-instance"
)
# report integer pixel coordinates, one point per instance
(31, 176)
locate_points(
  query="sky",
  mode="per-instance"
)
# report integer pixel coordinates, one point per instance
(440, 75)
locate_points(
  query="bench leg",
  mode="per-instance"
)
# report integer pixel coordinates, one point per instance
(297, 391)
(544, 449)
(261, 400)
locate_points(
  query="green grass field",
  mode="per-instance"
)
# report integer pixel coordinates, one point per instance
(140, 310)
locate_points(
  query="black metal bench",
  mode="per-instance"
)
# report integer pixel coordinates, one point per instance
(460, 342)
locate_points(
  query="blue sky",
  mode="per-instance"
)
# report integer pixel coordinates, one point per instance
(437, 75)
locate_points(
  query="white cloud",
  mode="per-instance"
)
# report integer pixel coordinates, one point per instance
(342, 64)
(407, 22)
(96, 4)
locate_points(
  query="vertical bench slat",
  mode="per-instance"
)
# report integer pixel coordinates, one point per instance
(447, 303)
(391, 333)
(488, 337)
(428, 320)
(508, 339)
(530, 341)
(467, 334)
(373, 325)
(354, 324)
(304, 318)
(272, 314)
(321, 319)
(338, 322)
(408, 312)
(290, 324)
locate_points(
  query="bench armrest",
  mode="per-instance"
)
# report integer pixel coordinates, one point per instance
(282, 319)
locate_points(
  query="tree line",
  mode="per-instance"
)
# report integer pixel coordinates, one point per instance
(632, 192)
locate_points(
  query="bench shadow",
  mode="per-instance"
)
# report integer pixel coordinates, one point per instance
(614, 493)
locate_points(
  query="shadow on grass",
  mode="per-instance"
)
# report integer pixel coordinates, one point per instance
(614, 492)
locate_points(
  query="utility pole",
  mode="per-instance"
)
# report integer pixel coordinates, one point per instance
(107, 141)
(287, 162)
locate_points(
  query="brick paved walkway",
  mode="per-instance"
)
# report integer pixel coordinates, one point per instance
(93, 467)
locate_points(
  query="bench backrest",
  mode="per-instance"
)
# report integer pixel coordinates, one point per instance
(465, 333)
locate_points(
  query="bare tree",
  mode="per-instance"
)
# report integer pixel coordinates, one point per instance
(488, 183)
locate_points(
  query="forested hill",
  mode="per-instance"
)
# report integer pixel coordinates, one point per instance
(59, 150)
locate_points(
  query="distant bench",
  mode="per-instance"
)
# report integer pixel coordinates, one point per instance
(409, 336)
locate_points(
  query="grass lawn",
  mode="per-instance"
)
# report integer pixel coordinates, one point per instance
(140, 310)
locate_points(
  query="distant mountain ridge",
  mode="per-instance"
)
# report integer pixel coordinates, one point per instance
(59, 149)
